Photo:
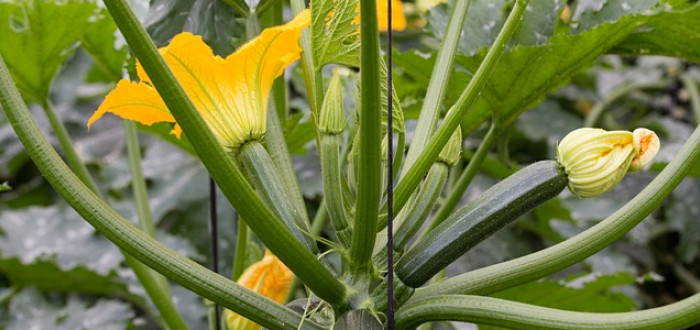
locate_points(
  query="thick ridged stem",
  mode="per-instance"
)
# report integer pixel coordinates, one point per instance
(509, 314)
(369, 162)
(66, 143)
(227, 175)
(127, 236)
(332, 188)
(266, 179)
(437, 86)
(155, 284)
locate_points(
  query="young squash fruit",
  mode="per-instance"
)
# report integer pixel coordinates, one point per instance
(590, 161)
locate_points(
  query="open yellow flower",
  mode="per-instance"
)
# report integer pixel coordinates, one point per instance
(398, 19)
(268, 277)
(230, 94)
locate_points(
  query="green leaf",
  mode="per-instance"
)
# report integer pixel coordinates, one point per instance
(683, 213)
(214, 20)
(335, 35)
(539, 22)
(484, 20)
(608, 11)
(5, 186)
(40, 233)
(552, 210)
(99, 41)
(526, 74)
(298, 133)
(30, 310)
(47, 276)
(582, 294)
(412, 72)
(37, 36)
(669, 34)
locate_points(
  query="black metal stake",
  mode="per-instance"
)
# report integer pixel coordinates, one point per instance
(214, 235)
(390, 179)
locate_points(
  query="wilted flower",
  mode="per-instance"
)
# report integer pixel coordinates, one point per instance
(230, 94)
(268, 277)
(596, 160)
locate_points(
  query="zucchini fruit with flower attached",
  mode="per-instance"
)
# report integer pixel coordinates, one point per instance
(590, 161)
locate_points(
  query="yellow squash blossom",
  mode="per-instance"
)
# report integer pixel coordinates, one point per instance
(268, 277)
(596, 160)
(398, 19)
(230, 94)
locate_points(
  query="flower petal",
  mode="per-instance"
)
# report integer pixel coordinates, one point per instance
(253, 68)
(398, 20)
(269, 277)
(207, 83)
(134, 101)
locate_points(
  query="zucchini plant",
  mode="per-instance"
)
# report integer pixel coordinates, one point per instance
(393, 213)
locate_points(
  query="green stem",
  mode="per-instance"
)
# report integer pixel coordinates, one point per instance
(8, 294)
(314, 85)
(138, 183)
(454, 116)
(277, 147)
(317, 225)
(400, 154)
(155, 284)
(692, 89)
(279, 87)
(536, 265)
(241, 256)
(157, 288)
(594, 115)
(261, 219)
(411, 218)
(259, 166)
(369, 185)
(424, 203)
(465, 179)
(67, 146)
(686, 277)
(332, 188)
(437, 86)
(240, 6)
(320, 218)
(509, 314)
(264, 5)
(131, 239)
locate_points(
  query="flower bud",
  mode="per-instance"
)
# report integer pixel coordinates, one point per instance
(332, 117)
(452, 150)
(596, 160)
(646, 145)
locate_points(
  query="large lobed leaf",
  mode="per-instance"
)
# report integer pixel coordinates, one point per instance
(335, 32)
(526, 74)
(37, 36)
(531, 69)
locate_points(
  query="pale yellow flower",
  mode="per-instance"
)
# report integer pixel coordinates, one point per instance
(230, 94)
(268, 277)
(596, 160)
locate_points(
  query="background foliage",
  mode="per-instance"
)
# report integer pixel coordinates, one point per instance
(56, 272)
